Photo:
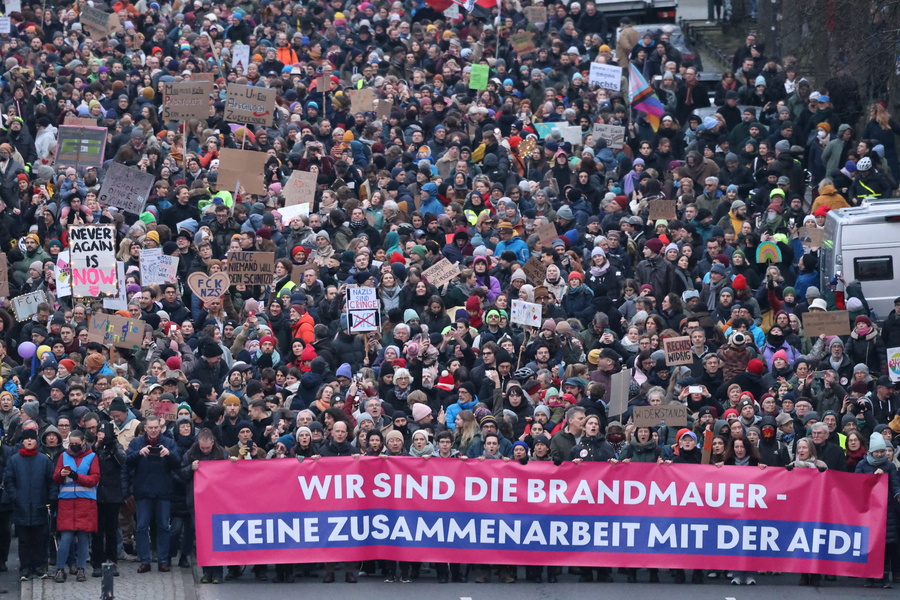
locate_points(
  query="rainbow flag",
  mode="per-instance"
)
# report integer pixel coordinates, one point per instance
(643, 99)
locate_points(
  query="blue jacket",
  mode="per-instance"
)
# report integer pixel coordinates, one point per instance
(150, 476)
(804, 280)
(517, 245)
(28, 482)
(454, 409)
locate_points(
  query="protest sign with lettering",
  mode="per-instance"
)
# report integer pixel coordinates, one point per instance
(97, 22)
(536, 14)
(608, 77)
(163, 410)
(571, 134)
(4, 275)
(116, 330)
(120, 302)
(62, 270)
(26, 305)
(478, 78)
(673, 415)
(546, 234)
(168, 269)
(251, 268)
(240, 57)
(93, 255)
(149, 260)
(812, 237)
(207, 287)
(613, 134)
(249, 104)
(362, 100)
(525, 313)
(80, 146)
(126, 188)
(187, 100)
(300, 188)
(661, 209)
(678, 351)
(523, 43)
(441, 272)
(595, 513)
(5, 25)
(363, 309)
(819, 322)
(245, 166)
(383, 108)
(893, 362)
(535, 271)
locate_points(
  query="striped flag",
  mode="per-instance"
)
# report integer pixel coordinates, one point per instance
(643, 99)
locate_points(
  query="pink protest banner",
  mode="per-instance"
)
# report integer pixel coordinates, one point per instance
(593, 514)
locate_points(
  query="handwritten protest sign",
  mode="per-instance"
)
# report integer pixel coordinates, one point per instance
(126, 188)
(362, 100)
(893, 362)
(678, 351)
(441, 272)
(62, 270)
(819, 322)
(93, 253)
(571, 134)
(300, 188)
(251, 268)
(363, 309)
(4, 275)
(98, 23)
(245, 166)
(523, 43)
(207, 287)
(149, 261)
(168, 269)
(662, 209)
(188, 100)
(546, 234)
(608, 77)
(673, 415)
(116, 330)
(613, 134)
(120, 302)
(81, 146)
(525, 313)
(478, 78)
(240, 57)
(535, 271)
(536, 14)
(249, 104)
(163, 410)
(5, 25)
(26, 305)
(812, 237)
(383, 108)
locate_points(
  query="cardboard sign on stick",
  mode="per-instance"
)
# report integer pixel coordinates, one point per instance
(819, 322)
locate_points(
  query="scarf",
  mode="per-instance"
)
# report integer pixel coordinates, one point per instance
(428, 450)
(645, 447)
(358, 225)
(854, 458)
(599, 271)
(689, 93)
(25, 452)
(402, 393)
(152, 441)
(494, 456)
(742, 462)
(876, 462)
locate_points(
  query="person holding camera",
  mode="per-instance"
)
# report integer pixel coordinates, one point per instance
(152, 459)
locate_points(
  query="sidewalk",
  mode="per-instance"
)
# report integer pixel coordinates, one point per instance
(176, 585)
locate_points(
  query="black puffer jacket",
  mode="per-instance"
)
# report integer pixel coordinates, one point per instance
(593, 449)
(112, 473)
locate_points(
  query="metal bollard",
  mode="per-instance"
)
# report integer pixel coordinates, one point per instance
(108, 582)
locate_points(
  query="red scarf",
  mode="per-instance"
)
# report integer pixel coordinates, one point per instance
(25, 452)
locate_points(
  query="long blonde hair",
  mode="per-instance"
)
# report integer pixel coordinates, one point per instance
(466, 432)
(882, 116)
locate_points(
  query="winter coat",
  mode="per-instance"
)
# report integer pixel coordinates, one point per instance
(641, 453)
(350, 348)
(868, 350)
(893, 489)
(151, 476)
(113, 484)
(186, 473)
(28, 482)
(454, 409)
(593, 449)
(579, 303)
(77, 514)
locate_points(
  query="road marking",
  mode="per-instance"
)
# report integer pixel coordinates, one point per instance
(468, 598)
(730, 598)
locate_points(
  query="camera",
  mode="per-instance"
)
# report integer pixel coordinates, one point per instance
(738, 338)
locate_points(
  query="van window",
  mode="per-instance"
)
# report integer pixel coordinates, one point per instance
(875, 268)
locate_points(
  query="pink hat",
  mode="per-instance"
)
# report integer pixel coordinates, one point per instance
(420, 411)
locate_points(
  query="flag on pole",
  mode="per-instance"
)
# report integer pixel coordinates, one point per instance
(643, 99)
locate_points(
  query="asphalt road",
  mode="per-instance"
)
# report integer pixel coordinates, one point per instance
(769, 587)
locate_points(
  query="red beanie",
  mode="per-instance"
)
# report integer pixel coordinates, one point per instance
(473, 304)
(756, 366)
(268, 338)
(739, 282)
(396, 257)
(173, 362)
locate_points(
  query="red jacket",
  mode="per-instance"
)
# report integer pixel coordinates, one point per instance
(78, 514)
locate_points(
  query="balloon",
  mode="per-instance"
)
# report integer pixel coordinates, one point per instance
(27, 349)
(41, 349)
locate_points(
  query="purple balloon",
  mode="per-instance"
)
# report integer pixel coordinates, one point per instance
(27, 349)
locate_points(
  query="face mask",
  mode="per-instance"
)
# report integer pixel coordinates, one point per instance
(614, 438)
(75, 448)
(768, 433)
(771, 215)
(821, 134)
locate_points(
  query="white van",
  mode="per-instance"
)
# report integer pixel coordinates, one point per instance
(862, 243)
